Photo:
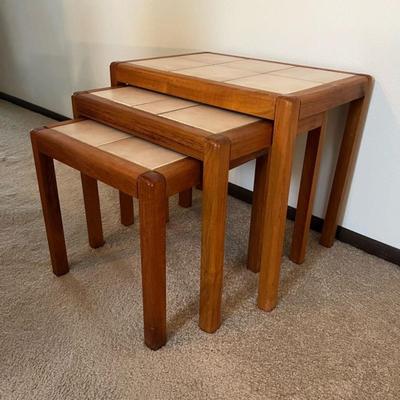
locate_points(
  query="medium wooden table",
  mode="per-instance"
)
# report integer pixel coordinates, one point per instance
(293, 99)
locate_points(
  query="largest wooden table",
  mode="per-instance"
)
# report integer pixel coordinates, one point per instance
(294, 99)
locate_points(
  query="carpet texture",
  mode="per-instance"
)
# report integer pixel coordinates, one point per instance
(334, 335)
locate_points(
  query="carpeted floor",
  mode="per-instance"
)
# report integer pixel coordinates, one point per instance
(334, 335)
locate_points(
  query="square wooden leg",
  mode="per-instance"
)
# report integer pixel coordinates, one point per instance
(352, 130)
(215, 188)
(278, 175)
(257, 214)
(126, 209)
(51, 209)
(185, 198)
(92, 210)
(152, 211)
(308, 184)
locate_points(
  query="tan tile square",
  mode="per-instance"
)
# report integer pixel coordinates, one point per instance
(168, 63)
(219, 72)
(257, 66)
(130, 96)
(163, 106)
(274, 83)
(311, 74)
(210, 58)
(211, 119)
(143, 153)
(91, 132)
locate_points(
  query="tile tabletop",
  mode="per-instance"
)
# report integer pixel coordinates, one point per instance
(210, 119)
(255, 74)
(120, 144)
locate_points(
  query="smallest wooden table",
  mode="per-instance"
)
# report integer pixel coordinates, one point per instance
(137, 168)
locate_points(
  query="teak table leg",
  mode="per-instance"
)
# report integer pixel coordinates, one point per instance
(279, 173)
(92, 211)
(215, 188)
(349, 141)
(308, 185)
(185, 198)
(152, 211)
(257, 211)
(51, 210)
(126, 209)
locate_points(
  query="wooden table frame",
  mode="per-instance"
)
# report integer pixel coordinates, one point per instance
(219, 153)
(288, 113)
(151, 187)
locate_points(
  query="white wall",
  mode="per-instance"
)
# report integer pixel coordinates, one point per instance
(52, 48)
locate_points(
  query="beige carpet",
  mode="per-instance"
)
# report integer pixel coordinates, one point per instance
(335, 334)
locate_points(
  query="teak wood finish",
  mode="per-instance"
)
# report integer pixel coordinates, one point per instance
(285, 115)
(151, 187)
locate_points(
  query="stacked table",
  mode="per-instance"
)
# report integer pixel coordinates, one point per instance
(280, 100)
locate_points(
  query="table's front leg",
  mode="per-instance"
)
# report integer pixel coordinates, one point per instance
(215, 188)
(349, 143)
(278, 175)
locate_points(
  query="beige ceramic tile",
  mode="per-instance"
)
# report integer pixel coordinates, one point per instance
(172, 104)
(211, 119)
(257, 66)
(91, 132)
(273, 83)
(210, 58)
(143, 153)
(130, 96)
(168, 63)
(311, 74)
(219, 73)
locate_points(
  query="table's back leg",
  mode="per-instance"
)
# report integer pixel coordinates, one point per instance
(152, 212)
(185, 198)
(92, 211)
(126, 209)
(308, 185)
(349, 143)
(257, 214)
(51, 209)
(278, 175)
(215, 188)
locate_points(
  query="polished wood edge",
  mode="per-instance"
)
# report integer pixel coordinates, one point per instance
(217, 140)
(91, 161)
(250, 138)
(181, 175)
(94, 90)
(162, 131)
(56, 124)
(248, 157)
(311, 122)
(113, 73)
(220, 94)
(331, 95)
(338, 92)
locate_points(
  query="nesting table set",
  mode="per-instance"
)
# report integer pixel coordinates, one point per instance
(167, 124)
